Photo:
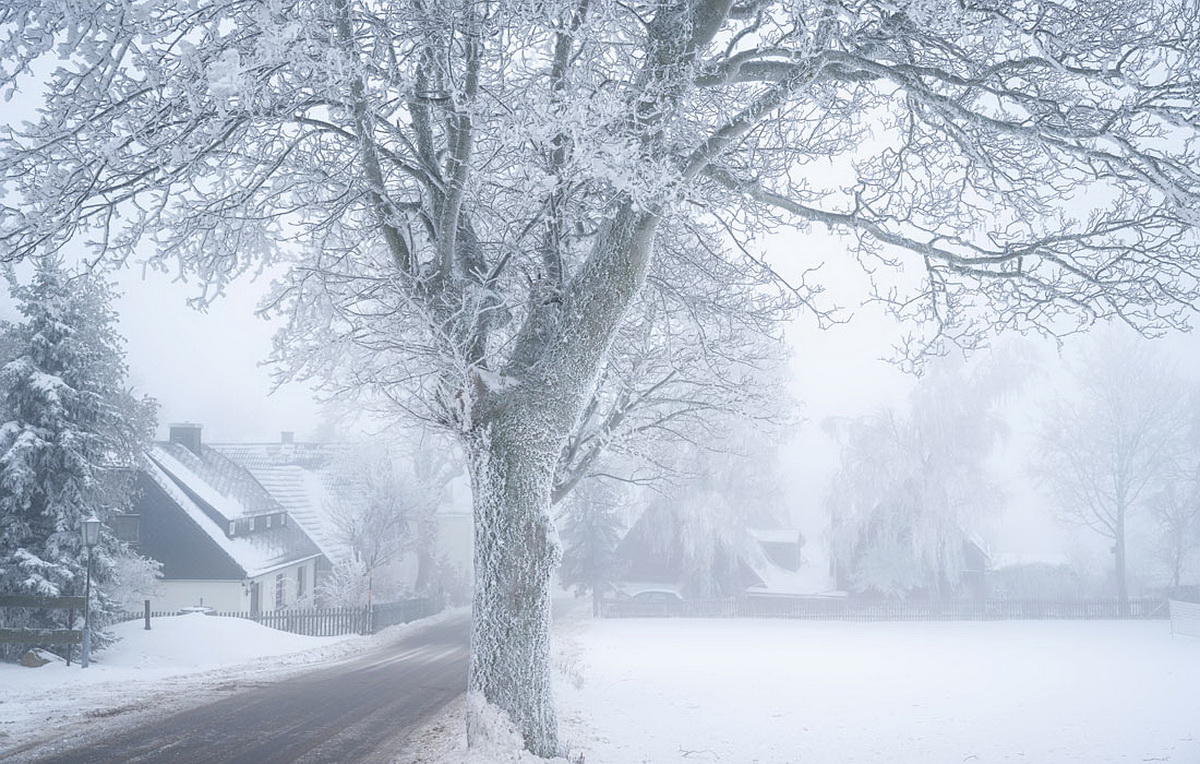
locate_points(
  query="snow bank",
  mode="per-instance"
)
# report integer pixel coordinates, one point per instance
(770, 692)
(154, 669)
(444, 739)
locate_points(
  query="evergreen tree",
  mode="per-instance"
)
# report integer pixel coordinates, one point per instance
(591, 530)
(70, 437)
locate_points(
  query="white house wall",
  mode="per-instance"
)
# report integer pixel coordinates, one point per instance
(290, 577)
(234, 596)
(220, 595)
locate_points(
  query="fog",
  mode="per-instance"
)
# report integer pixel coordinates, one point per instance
(680, 422)
(210, 367)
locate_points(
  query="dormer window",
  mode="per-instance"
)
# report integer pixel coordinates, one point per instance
(127, 528)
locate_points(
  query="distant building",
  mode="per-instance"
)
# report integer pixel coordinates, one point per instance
(764, 562)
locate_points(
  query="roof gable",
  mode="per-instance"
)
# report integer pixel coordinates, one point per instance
(174, 537)
(303, 479)
(214, 511)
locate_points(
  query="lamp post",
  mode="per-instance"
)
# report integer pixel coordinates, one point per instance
(91, 536)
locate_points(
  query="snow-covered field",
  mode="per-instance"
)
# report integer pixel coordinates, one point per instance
(781, 692)
(679, 691)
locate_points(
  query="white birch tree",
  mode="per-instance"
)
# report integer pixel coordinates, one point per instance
(481, 188)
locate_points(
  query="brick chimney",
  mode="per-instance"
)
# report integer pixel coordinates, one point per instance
(187, 435)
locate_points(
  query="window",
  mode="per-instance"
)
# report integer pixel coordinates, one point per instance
(254, 523)
(300, 576)
(232, 526)
(127, 528)
(269, 519)
(279, 601)
(283, 519)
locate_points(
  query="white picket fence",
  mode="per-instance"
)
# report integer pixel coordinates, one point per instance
(1185, 618)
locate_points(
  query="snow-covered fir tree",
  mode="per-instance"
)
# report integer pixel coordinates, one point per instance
(591, 529)
(70, 434)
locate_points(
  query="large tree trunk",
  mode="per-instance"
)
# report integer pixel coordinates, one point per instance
(518, 424)
(512, 455)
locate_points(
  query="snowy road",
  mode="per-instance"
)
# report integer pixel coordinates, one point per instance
(359, 710)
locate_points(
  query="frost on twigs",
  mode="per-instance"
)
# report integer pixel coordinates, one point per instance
(474, 186)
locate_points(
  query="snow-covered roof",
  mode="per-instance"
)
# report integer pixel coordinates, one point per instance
(218, 482)
(634, 588)
(1016, 559)
(776, 535)
(300, 477)
(808, 581)
(256, 553)
(775, 578)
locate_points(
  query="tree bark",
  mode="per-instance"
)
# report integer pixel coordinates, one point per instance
(517, 426)
(511, 454)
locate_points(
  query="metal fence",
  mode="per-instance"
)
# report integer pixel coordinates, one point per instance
(327, 622)
(848, 609)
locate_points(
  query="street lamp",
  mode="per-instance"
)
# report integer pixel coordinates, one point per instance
(91, 537)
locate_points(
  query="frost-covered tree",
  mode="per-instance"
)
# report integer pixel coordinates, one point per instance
(70, 437)
(1112, 439)
(1176, 511)
(385, 500)
(912, 488)
(436, 463)
(372, 508)
(675, 379)
(592, 525)
(479, 190)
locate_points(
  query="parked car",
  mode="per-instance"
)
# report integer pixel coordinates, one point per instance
(657, 595)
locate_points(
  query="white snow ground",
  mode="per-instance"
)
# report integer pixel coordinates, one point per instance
(786, 692)
(680, 691)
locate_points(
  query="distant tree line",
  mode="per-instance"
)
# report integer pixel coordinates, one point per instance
(1117, 452)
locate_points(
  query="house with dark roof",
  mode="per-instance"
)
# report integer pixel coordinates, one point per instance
(651, 558)
(224, 540)
(255, 526)
(310, 481)
(303, 478)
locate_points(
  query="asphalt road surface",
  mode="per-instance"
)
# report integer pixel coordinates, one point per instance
(357, 711)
